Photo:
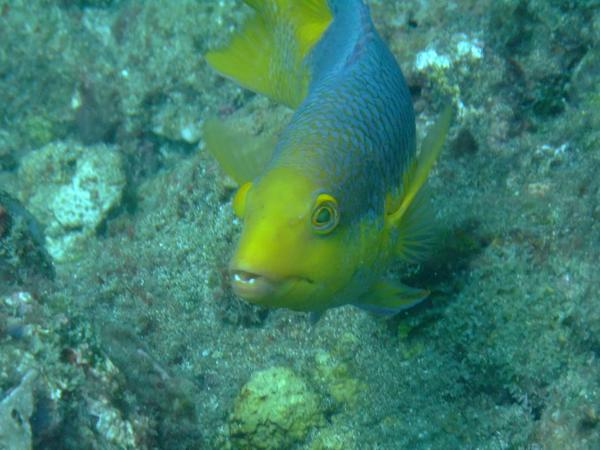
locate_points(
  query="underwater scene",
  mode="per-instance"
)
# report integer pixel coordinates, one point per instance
(300, 224)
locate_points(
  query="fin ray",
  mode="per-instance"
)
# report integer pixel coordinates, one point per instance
(391, 297)
(417, 230)
(267, 55)
(241, 155)
(416, 174)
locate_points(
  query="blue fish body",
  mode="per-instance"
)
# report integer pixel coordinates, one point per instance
(355, 129)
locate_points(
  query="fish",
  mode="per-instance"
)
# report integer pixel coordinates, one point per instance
(336, 198)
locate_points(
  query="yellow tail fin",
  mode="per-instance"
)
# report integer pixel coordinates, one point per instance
(267, 55)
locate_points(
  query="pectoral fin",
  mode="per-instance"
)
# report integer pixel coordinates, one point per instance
(391, 297)
(416, 174)
(410, 213)
(417, 231)
(241, 155)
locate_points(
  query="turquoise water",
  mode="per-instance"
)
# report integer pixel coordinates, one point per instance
(118, 328)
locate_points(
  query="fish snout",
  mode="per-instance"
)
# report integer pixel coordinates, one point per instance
(250, 286)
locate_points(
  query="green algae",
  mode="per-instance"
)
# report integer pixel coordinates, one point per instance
(38, 130)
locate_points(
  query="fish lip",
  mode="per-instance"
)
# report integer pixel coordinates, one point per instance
(255, 286)
(250, 285)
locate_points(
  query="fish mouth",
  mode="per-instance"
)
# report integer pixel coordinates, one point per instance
(250, 285)
(257, 288)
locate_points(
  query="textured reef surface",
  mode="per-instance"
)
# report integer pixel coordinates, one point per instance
(118, 329)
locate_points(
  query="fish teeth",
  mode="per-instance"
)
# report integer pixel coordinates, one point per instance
(244, 278)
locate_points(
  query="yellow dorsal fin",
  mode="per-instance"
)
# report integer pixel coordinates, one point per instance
(417, 172)
(267, 55)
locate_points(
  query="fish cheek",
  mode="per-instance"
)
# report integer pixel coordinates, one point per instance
(325, 262)
(283, 242)
(363, 249)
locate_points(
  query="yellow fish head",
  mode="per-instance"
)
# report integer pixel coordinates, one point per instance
(291, 252)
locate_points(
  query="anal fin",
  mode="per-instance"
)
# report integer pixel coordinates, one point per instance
(391, 297)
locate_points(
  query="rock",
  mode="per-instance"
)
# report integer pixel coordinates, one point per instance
(23, 256)
(81, 185)
(274, 410)
(336, 375)
(15, 410)
(334, 437)
(178, 120)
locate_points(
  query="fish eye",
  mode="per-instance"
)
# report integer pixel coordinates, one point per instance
(325, 216)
